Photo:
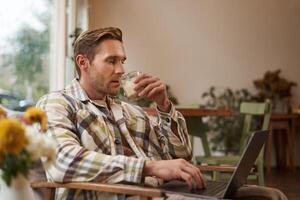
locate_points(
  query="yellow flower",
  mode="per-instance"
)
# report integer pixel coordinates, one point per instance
(2, 113)
(36, 115)
(12, 136)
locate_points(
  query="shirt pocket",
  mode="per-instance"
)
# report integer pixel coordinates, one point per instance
(93, 132)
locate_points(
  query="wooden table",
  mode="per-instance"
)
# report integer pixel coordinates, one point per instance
(285, 142)
(195, 112)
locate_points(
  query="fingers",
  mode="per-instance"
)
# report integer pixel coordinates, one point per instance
(148, 90)
(202, 178)
(188, 179)
(143, 80)
(142, 76)
(148, 85)
(177, 169)
(151, 90)
(196, 174)
(199, 175)
(156, 90)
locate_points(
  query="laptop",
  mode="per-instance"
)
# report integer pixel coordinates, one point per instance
(216, 189)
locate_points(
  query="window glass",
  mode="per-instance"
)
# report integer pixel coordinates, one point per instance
(24, 51)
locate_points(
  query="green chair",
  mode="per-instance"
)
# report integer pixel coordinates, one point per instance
(250, 110)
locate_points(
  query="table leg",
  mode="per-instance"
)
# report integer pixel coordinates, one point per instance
(268, 150)
(293, 133)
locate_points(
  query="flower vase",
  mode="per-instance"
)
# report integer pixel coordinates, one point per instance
(281, 106)
(19, 189)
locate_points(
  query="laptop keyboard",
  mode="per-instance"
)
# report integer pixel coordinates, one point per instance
(212, 189)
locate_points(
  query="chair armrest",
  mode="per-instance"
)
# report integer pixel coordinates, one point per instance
(101, 187)
(216, 168)
(220, 168)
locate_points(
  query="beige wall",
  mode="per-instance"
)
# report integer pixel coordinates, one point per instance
(198, 43)
(194, 44)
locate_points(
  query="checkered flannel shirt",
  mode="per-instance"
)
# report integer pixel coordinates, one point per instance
(91, 140)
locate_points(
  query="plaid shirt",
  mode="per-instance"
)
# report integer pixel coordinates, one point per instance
(92, 139)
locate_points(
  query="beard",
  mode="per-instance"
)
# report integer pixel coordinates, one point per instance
(113, 92)
(103, 85)
(106, 90)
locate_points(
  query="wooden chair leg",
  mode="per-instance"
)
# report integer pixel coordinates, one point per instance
(268, 150)
(216, 175)
(260, 174)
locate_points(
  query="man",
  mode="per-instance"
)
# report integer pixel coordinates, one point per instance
(103, 139)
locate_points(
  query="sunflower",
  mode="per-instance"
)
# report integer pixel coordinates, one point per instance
(12, 136)
(36, 115)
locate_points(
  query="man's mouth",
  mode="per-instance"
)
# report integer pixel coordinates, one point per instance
(116, 82)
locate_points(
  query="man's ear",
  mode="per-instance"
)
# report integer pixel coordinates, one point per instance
(82, 61)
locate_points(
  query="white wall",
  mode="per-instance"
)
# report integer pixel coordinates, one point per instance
(194, 44)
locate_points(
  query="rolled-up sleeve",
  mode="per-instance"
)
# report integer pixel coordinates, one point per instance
(174, 130)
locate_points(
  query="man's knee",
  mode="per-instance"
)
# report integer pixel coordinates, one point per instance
(250, 192)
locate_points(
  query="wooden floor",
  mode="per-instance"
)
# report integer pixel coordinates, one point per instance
(287, 182)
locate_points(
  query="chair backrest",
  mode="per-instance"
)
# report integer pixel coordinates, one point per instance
(197, 128)
(250, 110)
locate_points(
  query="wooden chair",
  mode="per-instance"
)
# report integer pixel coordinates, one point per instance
(198, 128)
(142, 191)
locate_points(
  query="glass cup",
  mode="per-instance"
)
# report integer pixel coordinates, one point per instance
(128, 85)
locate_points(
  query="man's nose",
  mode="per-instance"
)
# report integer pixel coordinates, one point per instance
(120, 68)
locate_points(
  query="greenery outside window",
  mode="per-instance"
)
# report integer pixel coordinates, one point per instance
(25, 48)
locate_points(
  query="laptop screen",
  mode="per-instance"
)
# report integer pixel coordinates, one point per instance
(251, 152)
(239, 177)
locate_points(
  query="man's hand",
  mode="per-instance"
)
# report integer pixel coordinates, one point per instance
(151, 87)
(178, 169)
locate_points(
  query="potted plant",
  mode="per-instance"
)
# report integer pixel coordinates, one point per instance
(225, 132)
(275, 88)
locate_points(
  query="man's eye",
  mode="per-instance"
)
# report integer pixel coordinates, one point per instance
(112, 61)
(123, 61)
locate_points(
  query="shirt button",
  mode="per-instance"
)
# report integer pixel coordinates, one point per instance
(167, 120)
(117, 141)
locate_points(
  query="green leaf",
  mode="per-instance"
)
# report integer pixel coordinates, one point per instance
(13, 164)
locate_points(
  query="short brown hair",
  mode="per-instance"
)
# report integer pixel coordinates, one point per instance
(88, 41)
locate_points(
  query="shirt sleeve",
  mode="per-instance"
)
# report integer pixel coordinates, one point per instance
(174, 134)
(76, 163)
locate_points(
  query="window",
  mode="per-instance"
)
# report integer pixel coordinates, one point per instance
(36, 47)
(24, 50)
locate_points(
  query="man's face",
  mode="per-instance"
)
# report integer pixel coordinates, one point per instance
(105, 70)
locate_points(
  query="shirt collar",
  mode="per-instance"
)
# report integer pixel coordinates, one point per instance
(75, 90)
